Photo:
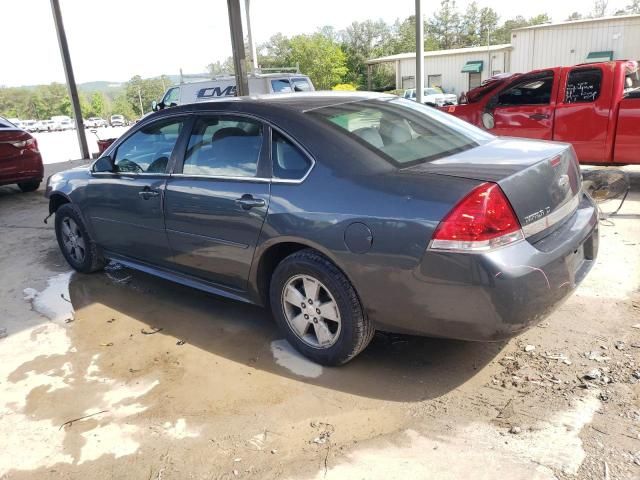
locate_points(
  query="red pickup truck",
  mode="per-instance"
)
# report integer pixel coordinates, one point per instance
(595, 107)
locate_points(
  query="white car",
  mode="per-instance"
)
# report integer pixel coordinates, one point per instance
(30, 125)
(117, 121)
(47, 126)
(433, 96)
(95, 122)
(226, 87)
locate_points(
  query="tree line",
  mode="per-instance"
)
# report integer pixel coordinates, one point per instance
(332, 58)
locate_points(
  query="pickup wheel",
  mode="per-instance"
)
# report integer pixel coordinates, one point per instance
(318, 310)
(80, 251)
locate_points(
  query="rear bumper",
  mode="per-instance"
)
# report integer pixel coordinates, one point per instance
(23, 168)
(494, 296)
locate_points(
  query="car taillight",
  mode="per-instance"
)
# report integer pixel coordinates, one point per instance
(28, 144)
(481, 221)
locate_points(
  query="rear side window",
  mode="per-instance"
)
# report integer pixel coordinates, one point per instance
(583, 85)
(224, 146)
(289, 163)
(530, 91)
(148, 150)
(281, 86)
(301, 84)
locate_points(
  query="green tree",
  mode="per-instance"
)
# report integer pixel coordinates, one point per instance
(319, 57)
(98, 105)
(503, 33)
(121, 106)
(221, 68)
(600, 8)
(445, 26)
(633, 7)
(361, 41)
(140, 92)
(275, 53)
(574, 16)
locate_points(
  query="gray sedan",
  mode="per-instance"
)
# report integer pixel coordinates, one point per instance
(344, 213)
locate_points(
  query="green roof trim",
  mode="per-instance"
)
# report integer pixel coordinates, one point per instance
(604, 56)
(473, 66)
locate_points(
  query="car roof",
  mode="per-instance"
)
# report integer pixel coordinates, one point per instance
(299, 102)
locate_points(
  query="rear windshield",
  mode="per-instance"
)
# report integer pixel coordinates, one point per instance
(4, 123)
(632, 84)
(403, 131)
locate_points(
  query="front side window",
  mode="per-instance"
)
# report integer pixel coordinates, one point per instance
(289, 163)
(534, 90)
(402, 131)
(172, 96)
(583, 85)
(148, 150)
(224, 146)
(281, 86)
(632, 83)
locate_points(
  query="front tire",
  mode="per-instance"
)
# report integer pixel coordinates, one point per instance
(318, 310)
(80, 251)
(31, 186)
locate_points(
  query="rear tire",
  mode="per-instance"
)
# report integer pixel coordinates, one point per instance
(80, 251)
(31, 186)
(335, 328)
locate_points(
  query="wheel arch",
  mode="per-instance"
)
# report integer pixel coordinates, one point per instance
(272, 253)
(56, 200)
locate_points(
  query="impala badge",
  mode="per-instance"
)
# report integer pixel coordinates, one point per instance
(563, 181)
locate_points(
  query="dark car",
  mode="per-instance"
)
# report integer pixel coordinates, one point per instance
(20, 160)
(344, 213)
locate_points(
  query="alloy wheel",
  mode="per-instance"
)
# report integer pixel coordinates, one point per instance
(311, 311)
(73, 240)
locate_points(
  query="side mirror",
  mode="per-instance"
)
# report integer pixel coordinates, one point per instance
(488, 121)
(154, 106)
(103, 164)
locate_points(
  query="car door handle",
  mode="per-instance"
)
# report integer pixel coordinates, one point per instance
(247, 202)
(147, 193)
(539, 116)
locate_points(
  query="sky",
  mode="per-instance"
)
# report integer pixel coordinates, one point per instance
(116, 39)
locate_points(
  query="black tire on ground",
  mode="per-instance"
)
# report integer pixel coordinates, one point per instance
(356, 330)
(31, 186)
(91, 260)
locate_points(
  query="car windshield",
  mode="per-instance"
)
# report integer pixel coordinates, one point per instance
(403, 131)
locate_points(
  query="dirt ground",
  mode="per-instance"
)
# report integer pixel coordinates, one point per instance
(121, 375)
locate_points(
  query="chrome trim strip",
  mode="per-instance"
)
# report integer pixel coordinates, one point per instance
(211, 177)
(567, 209)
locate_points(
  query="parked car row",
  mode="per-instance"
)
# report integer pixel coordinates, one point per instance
(60, 123)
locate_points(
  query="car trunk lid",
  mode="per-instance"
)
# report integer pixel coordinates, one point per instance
(10, 149)
(540, 179)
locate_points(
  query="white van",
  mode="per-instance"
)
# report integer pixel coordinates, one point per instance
(226, 87)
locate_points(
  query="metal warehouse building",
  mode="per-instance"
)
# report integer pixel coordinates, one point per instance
(531, 48)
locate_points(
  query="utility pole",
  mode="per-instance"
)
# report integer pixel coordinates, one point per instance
(140, 99)
(419, 52)
(237, 45)
(252, 46)
(71, 81)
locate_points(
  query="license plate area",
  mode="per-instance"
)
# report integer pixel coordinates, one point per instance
(576, 259)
